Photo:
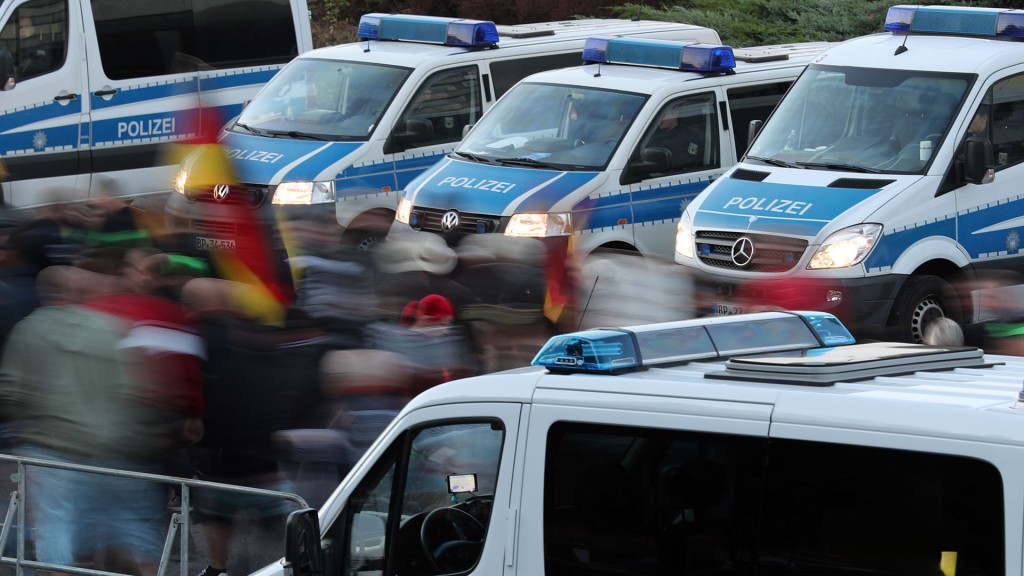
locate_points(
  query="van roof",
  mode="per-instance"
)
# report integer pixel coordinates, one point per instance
(977, 400)
(412, 54)
(649, 80)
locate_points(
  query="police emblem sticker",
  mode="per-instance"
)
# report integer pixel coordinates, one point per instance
(692, 149)
(39, 140)
(1012, 241)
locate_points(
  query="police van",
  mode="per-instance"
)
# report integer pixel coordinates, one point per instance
(749, 444)
(343, 128)
(602, 155)
(91, 91)
(886, 186)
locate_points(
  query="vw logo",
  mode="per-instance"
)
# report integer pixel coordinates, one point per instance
(742, 251)
(220, 191)
(450, 221)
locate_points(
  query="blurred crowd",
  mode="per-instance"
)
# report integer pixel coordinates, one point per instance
(273, 365)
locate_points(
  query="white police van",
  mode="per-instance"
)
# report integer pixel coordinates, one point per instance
(868, 193)
(602, 155)
(344, 128)
(749, 444)
(98, 88)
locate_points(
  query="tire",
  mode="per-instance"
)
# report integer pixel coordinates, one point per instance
(921, 300)
(363, 238)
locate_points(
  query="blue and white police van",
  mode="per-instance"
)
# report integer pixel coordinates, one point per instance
(885, 188)
(343, 128)
(91, 92)
(755, 443)
(602, 155)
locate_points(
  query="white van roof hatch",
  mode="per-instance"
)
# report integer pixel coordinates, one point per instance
(999, 23)
(430, 29)
(686, 56)
(616, 350)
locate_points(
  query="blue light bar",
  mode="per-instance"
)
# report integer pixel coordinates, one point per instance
(448, 31)
(613, 350)
(965, 21)
(660, 53)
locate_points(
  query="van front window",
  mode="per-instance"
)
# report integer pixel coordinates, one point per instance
(860, 119)
(551, 126)
(323, 99)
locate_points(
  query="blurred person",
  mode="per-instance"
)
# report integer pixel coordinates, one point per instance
(410, 269)
(1000, 326)
(943, 332)
(74, 395)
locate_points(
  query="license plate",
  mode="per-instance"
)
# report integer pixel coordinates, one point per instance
(214, 244)
(727, 309)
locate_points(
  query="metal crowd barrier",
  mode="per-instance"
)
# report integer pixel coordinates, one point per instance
(178, 519)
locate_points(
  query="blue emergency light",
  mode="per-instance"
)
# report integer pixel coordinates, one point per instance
(448, 31)
(956, 20)
(660, 53)
(615, 350)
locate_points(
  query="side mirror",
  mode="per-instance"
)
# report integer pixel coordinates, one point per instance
(416, 130)
(302, 553)
(652, 161)
(6, 70)
(752, 129)
(978, 161)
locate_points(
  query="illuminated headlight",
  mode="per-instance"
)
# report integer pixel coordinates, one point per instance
(180, 181)
(304, 193)
(684, 236)
(539, 225)
(847, 247)
(404, 209)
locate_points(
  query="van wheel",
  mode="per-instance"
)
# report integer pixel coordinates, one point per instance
(921, 300)
(362, 238)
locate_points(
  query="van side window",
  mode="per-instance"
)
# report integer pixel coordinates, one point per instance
(626, 500)
(684, 136)
(186, 36)
(448, 100)
(1005, 125)
(35, 37)
(505, 73)
(859, 510)
(620, 500)
(428, 500)
(748, 103)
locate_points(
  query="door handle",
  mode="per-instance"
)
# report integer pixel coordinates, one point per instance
(65, 97)
(108, 92)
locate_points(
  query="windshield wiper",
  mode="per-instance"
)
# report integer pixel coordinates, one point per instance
(841, 166)
(774, 162)
(296, 134)
(243, 126)
(474, 157)
(528, 162)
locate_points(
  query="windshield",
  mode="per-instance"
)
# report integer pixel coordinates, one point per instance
(323, 99)
(551, 126)
(859, 119)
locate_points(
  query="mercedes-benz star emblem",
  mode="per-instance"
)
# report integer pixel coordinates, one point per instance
(220, 191)
(742, 251)
(450, 221)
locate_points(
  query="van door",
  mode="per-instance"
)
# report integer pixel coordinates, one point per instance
(640, 485)
(434, 496)
(678, 155)
(42, 120)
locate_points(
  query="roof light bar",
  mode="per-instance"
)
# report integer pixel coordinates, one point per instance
(956, 20)
(660, 53)
(448, 31)
(612, 350)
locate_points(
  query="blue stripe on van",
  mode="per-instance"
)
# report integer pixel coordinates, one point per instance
(894, 243)
(14, 119)
(30, 142)
(235, 80)
(136, 94)
(544, 199)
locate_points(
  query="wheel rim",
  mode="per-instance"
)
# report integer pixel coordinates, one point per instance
(928, 309)
(367, 242)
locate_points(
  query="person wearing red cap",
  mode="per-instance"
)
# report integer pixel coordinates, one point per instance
(434, 310)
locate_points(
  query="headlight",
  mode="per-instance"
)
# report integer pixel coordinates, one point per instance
(684, 236)
(180, 181)
(539, 225)
(847, 247)
(304, 193)
(404, 209)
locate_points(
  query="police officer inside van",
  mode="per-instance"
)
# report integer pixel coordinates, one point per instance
(684, 141)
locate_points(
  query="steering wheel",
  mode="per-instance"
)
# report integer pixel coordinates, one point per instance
(451, 539)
